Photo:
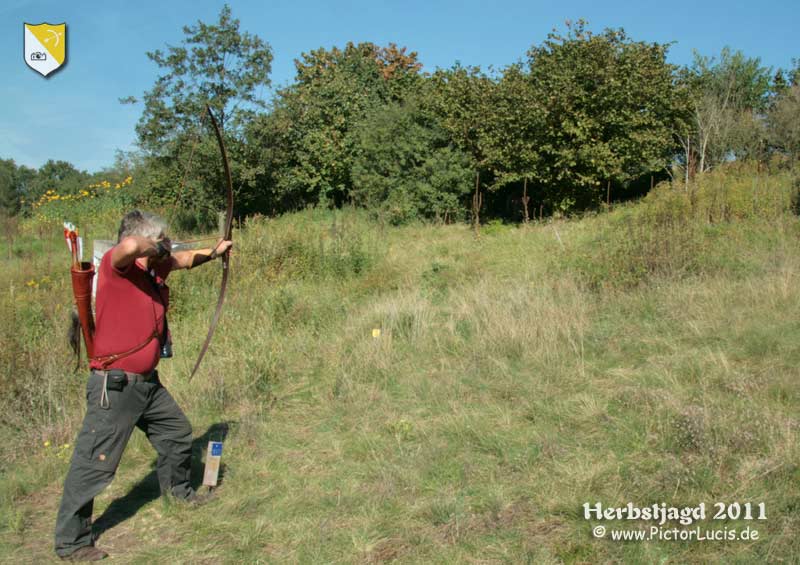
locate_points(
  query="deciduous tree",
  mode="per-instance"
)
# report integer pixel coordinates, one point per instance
(217, 65)
(728, 97)
(406, 167)
(609, 108)
(784, 123)
(313, 119)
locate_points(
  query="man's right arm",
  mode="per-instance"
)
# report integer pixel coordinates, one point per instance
(131, 248)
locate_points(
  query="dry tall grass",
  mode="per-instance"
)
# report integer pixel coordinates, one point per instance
(514, 378)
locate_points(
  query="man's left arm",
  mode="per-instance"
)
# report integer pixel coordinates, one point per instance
(191, 258)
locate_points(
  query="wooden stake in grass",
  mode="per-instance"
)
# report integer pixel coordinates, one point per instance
(477, 201)
(213, 458)
(525, 200)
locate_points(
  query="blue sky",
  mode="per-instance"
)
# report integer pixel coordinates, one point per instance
(75, 114)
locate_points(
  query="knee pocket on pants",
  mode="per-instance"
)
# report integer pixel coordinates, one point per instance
(101, 445)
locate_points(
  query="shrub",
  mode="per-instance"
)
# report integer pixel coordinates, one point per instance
(677, 231)
(302, 247)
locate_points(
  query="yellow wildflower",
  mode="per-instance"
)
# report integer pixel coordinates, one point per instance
(47, 443)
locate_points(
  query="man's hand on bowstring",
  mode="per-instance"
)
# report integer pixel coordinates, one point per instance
(221, 247)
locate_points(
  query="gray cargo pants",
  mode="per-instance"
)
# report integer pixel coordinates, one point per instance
(101, 441)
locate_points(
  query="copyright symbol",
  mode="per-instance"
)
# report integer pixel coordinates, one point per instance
(599, 531)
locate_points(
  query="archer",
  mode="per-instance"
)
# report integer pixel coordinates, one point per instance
(123, 392)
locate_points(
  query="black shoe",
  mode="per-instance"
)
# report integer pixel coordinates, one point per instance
(86, 553)
(198, 499)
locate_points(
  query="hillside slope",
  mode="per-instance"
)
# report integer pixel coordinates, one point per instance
(648, 355)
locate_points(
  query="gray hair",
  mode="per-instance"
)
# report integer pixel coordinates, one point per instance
(143, 224)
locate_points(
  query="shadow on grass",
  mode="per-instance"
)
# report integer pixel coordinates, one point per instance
(148, 488)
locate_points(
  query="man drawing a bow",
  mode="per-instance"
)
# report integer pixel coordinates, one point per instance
(124, 391)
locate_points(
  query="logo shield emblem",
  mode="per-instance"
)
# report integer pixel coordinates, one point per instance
(45, 47)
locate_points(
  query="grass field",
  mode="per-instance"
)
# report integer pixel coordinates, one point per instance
(646, 355)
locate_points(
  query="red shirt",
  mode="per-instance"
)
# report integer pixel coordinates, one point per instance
(128, 310)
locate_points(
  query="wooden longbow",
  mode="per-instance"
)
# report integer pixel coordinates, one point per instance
(226, 235)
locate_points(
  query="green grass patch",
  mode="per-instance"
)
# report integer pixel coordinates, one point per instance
(512, 378)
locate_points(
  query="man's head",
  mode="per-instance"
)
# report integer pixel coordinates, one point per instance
(142, 224)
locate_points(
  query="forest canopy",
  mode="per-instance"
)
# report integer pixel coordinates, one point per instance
(583, 116)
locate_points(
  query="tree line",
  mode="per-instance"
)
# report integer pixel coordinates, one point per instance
(583, 117)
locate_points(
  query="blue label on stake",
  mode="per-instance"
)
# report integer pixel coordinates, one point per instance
(216, 449)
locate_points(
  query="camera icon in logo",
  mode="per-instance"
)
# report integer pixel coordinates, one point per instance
(38, 56)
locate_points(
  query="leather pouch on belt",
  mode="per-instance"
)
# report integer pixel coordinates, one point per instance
(116, 380)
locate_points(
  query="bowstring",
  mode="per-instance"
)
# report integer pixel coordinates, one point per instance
(188, 167)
